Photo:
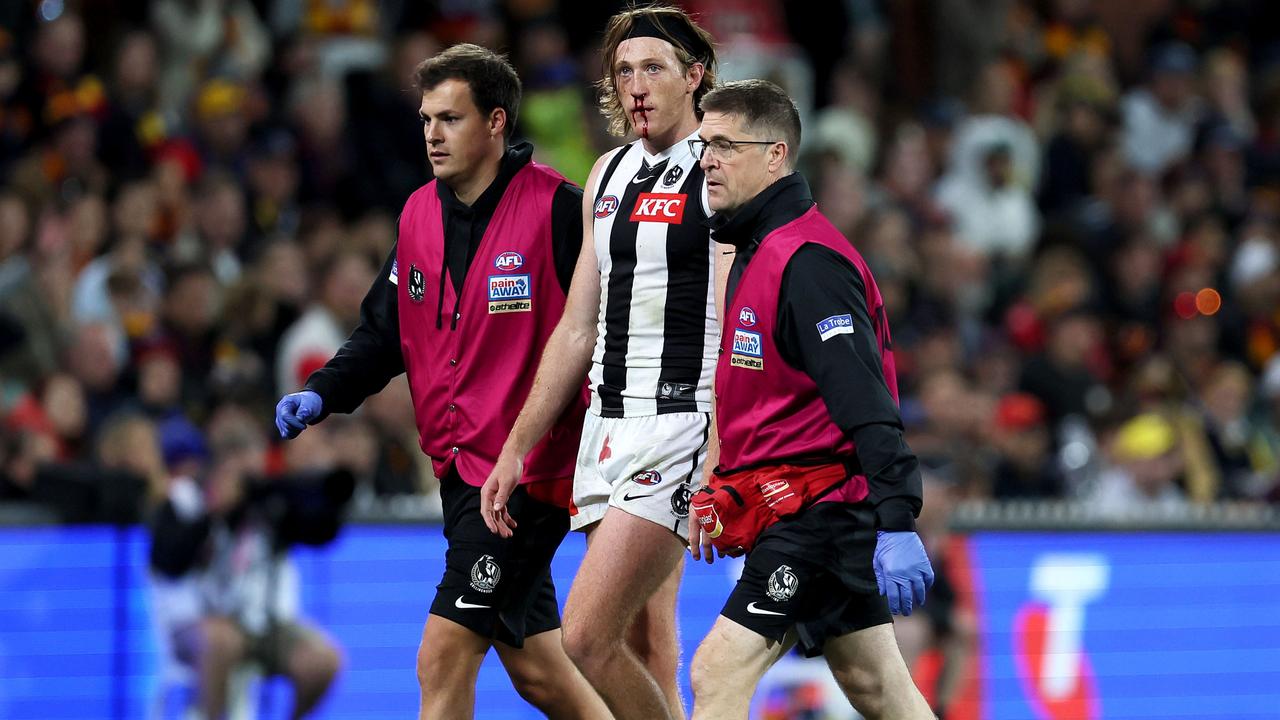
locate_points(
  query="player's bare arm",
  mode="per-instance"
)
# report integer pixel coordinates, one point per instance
(565, 362)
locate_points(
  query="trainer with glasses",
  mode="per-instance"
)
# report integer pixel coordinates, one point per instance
(815, 482)
(464, 304)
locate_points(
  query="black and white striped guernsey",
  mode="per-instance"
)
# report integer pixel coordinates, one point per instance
(656, 334)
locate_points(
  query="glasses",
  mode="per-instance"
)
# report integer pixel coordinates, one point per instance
(721, 148)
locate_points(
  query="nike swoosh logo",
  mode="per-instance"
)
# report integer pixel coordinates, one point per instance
(634, 497)
(462, 605)
(751, 608)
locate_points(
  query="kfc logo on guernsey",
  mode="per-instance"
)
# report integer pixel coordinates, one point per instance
(659, 207)
(508, 261)
(606, 206)
(748, 350)
(509, 293)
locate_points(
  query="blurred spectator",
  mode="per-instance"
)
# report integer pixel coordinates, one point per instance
(1160, 118)
(1063, 376)
(1027, 468)
(994, 216)
(322, 329)
(223, 586)
(206, 38)
(1146, 466)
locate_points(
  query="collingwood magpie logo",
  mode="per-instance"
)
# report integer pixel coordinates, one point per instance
(485, 574)
(672, 176)
(782, 584)
(680, 501)
(417, 284)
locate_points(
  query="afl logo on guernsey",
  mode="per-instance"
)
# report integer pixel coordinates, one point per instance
(606, 206)
(747, 317)
(508, 261)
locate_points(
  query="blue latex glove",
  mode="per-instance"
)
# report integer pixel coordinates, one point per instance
(296, 411)
(903, 572)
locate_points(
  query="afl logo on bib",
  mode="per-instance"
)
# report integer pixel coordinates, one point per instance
(747, 317)
(606, 206)
(485, 574)
(508, 261)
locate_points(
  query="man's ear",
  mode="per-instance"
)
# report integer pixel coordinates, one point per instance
(694, 74)
(497, 122)
(779, 155)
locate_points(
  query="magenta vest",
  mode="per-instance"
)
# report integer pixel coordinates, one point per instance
(767, 411)
(469, 383)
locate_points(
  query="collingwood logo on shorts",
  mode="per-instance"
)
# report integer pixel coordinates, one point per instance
(748, 350)
(680, 501)
(782, 584)
(485, 574)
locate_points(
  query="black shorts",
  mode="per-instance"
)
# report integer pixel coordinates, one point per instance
(499, 588)
(812, 572)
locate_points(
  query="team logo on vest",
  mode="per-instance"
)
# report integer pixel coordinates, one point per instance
(747, 317)
(659, 207)
(835, 325)
(508, 261)
(417, 284)
(606, 206)
(647, 477)
(673, 176)
(680, 501)
(485, 574)
(782, 584)
(748, 350)
(510, 293)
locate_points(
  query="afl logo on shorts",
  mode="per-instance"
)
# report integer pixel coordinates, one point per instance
(647, 477)
(417, 284)
(782, 584)
(508, 261)
(747, 317)
(606, 206)
(485, 574)
(680, 501)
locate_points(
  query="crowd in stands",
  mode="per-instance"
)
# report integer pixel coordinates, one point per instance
(1072, 208)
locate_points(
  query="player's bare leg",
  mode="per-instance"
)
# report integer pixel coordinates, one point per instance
(655, 636)
(545, 677)
(728, 666)
(628, 559)
(448, 663)
(872, 674)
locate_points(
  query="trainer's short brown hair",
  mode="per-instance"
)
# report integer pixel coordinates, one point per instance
(663, 16)
(493, 82)
(765, 108)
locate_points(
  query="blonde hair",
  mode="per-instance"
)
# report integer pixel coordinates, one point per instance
(619, 29)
